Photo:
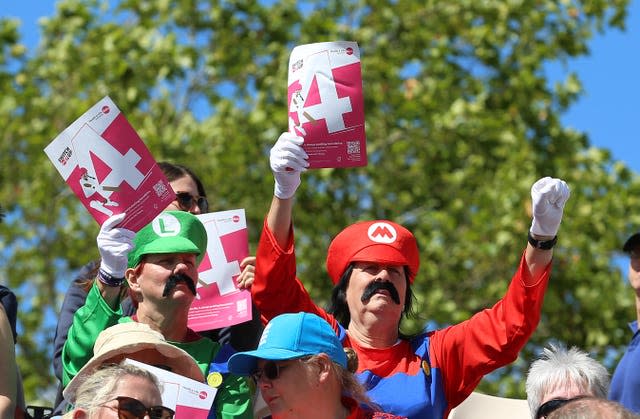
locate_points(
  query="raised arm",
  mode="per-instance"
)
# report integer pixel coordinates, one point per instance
(287, 161)
(493, 337)
(548, 196)
(276, 289)
(102, 305)
(114, 245)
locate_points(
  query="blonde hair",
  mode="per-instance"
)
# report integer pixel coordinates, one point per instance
(349, 384)
(98, 388)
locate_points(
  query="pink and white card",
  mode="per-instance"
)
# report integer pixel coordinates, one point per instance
(190, 399)
(109, 168)
(326, 104)
(219, 302)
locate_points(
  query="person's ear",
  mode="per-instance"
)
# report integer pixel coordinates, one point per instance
(132, 275)
(324, 362)
(79, 413)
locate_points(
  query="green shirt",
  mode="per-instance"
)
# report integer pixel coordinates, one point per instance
(233, 399)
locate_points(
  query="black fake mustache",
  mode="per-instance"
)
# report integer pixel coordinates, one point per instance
(374, 286)
(175, 279)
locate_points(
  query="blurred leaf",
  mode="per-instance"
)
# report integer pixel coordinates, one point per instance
(461, 120)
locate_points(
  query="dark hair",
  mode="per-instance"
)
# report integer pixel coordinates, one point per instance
(174, 171)
(340, 310)
(87, 275)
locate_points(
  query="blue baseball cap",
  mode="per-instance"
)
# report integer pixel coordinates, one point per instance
(291, 336)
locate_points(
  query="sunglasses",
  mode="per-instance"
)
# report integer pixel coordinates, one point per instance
(186, 200)
(549, 406)
(130, 408)
(270, 370)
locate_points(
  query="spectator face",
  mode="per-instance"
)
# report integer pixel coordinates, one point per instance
(568, 391)
(287, 387)
(361, 302)
(152, 276)
(185, 186)
(138, 388)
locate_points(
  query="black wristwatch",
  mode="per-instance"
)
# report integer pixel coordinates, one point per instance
(542, 244)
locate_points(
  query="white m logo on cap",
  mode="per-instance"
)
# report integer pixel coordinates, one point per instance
(166, 225)
(382, 233)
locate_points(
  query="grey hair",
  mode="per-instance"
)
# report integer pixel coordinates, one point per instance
(561, 368)
(99, 387)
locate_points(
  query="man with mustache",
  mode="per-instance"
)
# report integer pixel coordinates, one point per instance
(160, 267)
(373, 265)
(376, 286)
(174, 280)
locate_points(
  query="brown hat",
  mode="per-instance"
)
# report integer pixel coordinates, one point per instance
(135, 341)
(379, 241)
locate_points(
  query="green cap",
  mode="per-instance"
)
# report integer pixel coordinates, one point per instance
(170, 232)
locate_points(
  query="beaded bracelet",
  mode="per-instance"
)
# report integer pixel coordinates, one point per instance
(108, 279)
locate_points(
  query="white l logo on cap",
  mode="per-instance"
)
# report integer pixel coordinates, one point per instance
(382, 233)
(166, 225)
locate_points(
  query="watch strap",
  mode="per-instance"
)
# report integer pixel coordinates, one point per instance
(542, 244)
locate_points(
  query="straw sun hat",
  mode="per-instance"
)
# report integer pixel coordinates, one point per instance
(139, 342)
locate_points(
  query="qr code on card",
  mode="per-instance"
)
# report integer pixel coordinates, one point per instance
(160, 188)
(353, 147)
(241, 306)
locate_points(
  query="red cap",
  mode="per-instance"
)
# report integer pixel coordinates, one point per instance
(379, 241)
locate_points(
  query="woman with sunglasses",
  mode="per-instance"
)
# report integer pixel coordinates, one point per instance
(190, 193)
(119, 391)
(560, 375)
(302, 371)
(192, 197)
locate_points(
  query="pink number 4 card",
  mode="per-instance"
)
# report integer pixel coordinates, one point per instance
(219, 302)
(326, 104)
(109, 168)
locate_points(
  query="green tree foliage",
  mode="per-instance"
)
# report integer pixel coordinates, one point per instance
(461, 120)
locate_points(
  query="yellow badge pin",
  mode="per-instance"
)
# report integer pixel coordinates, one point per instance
(214, 379)
(426, 367)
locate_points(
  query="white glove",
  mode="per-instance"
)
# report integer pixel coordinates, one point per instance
(287, 160)
(114, 245)
(548, 197)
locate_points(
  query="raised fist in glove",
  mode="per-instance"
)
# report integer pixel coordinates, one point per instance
(287, 160)
(114, 245)
(548, 197)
